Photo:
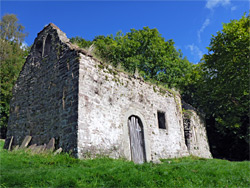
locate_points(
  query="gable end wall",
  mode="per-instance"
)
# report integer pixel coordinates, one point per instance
(45, 96)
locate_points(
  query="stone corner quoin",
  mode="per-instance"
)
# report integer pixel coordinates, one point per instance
(91, 108)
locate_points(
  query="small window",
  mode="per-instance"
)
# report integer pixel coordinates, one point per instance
(39, 48)
(47, 48)
(161, 120)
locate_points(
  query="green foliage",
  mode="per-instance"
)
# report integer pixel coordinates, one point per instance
(219, 86)
(30, 170)
(82, 43)
(226, 71)
(226, 81)
(191, 85)
(144, 52)
(12, 57)
(11, 30)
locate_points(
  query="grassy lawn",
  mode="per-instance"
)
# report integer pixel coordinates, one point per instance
(22, 169)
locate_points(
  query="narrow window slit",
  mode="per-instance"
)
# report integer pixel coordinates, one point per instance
(161, 120)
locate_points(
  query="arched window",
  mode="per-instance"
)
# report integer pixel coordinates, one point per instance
(39, 49)
(48, 45)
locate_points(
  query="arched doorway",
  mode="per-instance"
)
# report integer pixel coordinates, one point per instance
(136, 135)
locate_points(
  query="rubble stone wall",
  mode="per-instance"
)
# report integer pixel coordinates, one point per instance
(196, 134)
(45, 96)
(107, 98)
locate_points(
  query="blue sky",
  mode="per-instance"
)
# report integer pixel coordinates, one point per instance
(189, 23)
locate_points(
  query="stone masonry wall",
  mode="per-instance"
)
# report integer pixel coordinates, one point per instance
(195, 132)
(106, 100)
(198, 142)
(44, 103)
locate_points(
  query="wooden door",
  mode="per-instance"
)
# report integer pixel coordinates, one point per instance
(136, 139)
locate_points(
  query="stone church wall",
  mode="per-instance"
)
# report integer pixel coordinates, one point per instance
(45, 96)
(195, 134)
(106, 100)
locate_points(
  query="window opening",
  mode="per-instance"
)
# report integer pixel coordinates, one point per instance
(161, 120)
(47, 48)
(39, 49)
(187, 132)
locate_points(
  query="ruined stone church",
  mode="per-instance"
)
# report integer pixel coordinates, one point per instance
(92, 108)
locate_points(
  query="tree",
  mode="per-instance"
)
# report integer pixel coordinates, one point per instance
(12, 57)
(225, 89)
(145, 51)
(191, 85)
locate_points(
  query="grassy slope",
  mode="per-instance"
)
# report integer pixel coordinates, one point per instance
(22, 169)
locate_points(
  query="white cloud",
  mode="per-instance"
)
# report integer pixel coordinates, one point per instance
(204, 25)
(195, 51)
(233, 8)
(215, 3)
(24, 45)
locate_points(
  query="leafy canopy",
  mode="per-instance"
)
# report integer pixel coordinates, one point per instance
(12, 57)
(226, 74)
(144, 51)
(11, 30)
(220, 87)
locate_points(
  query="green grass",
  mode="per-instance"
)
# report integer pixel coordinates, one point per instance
(23, 169)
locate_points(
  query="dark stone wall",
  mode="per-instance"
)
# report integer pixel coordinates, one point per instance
(45, 97)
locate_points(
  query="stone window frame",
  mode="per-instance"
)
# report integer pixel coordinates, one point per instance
(165, 128)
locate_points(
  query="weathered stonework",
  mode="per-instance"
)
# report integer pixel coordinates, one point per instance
(45, 96)
(65, 93)
(195, 132)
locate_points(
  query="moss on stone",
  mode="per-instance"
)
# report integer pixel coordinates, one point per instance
(106, 78)
(154, 88)
(100, 66)
(162, 91)
(187, 113)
